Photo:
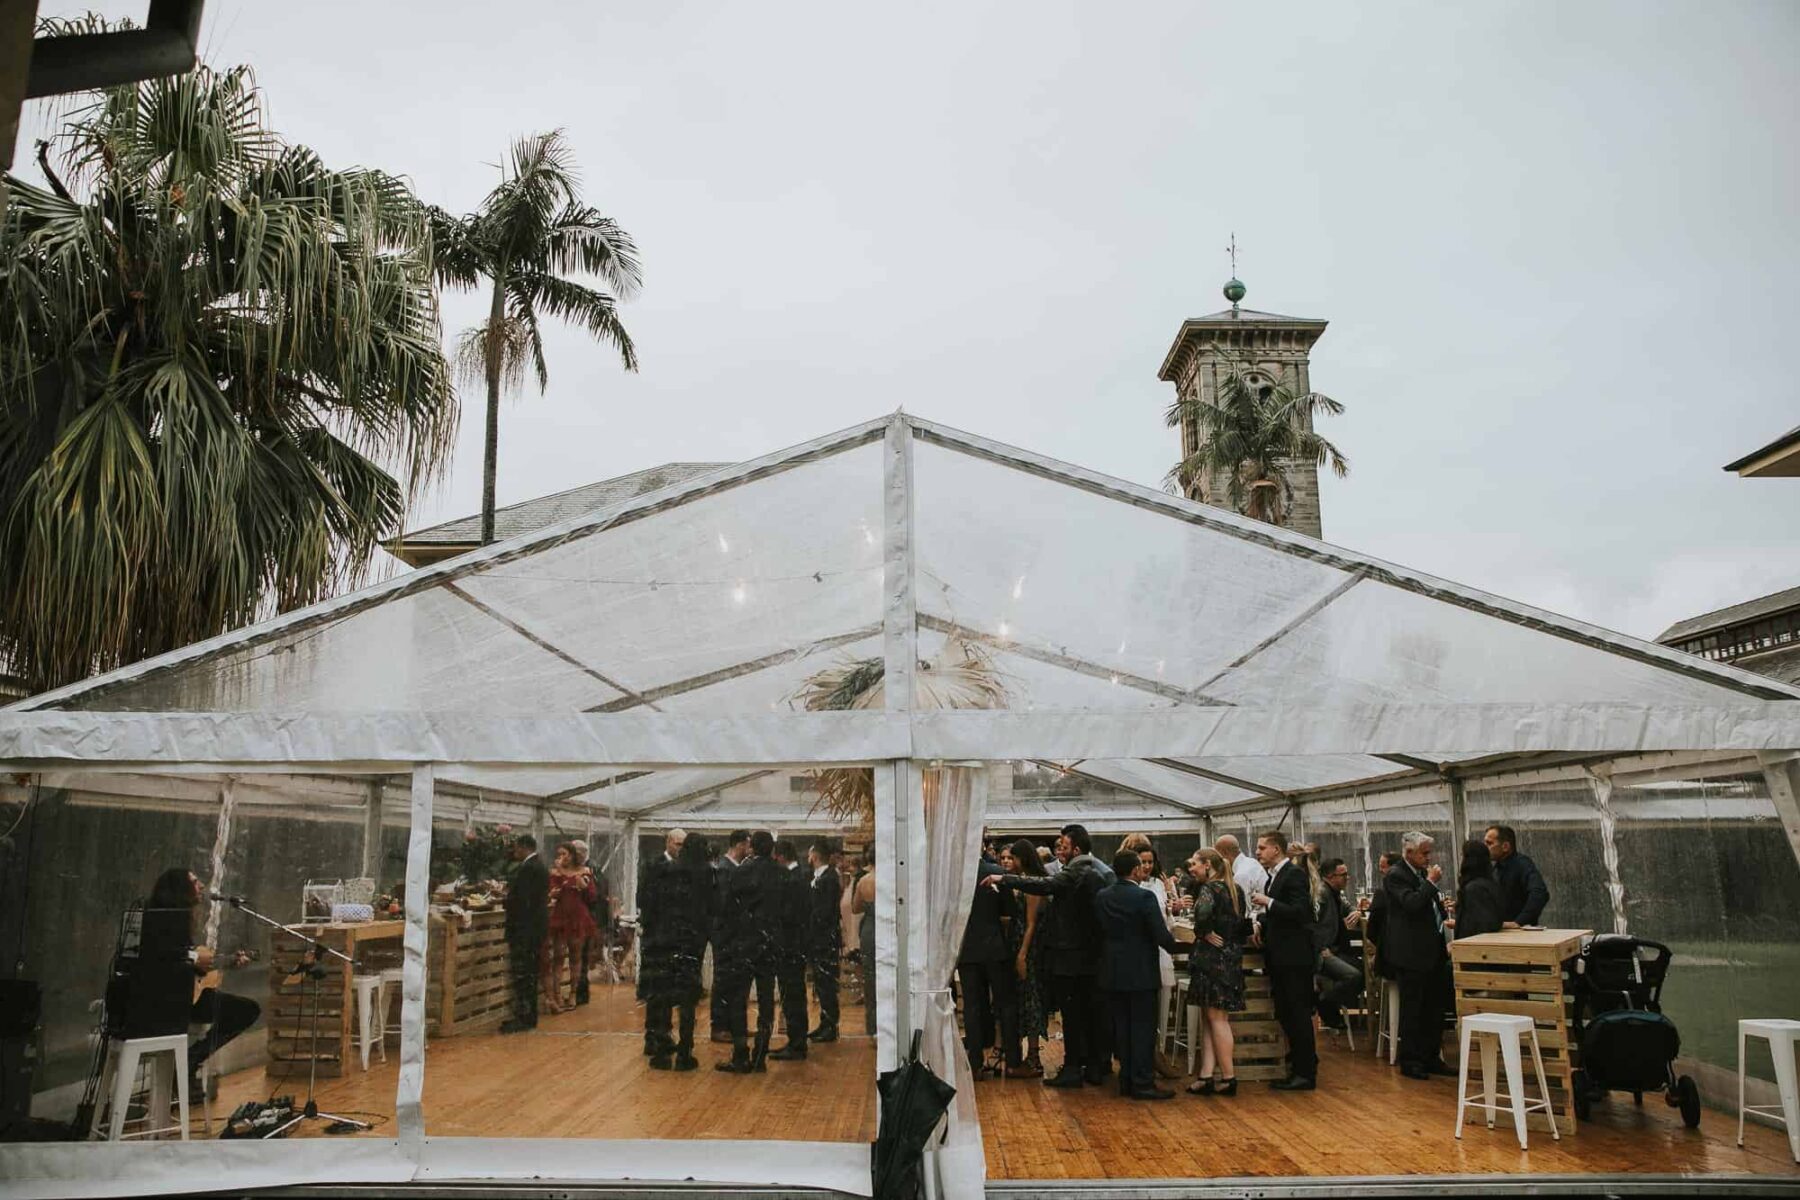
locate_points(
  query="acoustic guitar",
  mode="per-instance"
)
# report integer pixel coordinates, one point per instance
(215, 978)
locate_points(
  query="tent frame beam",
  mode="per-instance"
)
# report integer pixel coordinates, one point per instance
(1187, 768)
(544, 644)
(1068, 662)
(735, 671)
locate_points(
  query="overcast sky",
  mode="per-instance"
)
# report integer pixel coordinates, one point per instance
(1556, 242)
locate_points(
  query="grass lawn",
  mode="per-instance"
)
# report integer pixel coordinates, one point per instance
(1711, 986)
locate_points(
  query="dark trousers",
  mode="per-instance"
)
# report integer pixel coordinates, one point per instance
(737, 990)
(719, 1007)
(581, 977)
(1134, 1038)
(522, 960)
(1342, 982)
(792, 982)
(1085, 1041)
(867, 967)
(657, 1013)
(824, 970)
(1422, 1016)
(1294, 1009)
(226, 1016)
(989, 996)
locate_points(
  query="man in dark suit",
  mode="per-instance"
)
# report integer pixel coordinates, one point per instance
(824, 937)
(1340, 976)
(1523, 892)
(737, 849)
(1072, 944)
(750, 952)
(655, 932)
(790, 952)
(1288, 918)
(985, 972)
(1414, 948)
(527, 925)
(1132, 928)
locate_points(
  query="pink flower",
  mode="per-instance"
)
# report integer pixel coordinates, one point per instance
(503, 829)
(469, 836)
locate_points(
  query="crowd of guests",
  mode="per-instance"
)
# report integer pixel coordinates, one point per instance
(558, 919)
(775, 923)
(1062, 931)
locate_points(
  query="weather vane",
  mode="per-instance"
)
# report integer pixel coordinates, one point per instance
(1233, 251)
(1234, 291)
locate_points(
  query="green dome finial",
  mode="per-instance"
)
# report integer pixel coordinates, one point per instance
(1234, 291)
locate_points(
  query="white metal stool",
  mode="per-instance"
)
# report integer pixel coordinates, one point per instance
(1782, 1035)
(1387, 1028)
(122, 1061)
(393, 982)
(1510, 1032)
(368, 988)
(1176, 1020)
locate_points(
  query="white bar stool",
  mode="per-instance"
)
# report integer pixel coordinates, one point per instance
(1782, 1035)
(1387, 1018)
(122, 1062)
(1509, 1032)
(368, 988)
(1175, 1036)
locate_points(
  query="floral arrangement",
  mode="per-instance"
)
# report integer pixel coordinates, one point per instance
(481, 855)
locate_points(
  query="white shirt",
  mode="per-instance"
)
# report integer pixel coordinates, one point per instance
(820, 870)
(1248, 874)
(1164, 961)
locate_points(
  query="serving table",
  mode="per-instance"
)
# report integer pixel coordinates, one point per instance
(468, 982)
(291, 1006)
(1525, 973)
(1261, 1048)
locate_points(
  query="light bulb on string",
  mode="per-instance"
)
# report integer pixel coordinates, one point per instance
(740, 593)
(1018, 587)
(724, 546)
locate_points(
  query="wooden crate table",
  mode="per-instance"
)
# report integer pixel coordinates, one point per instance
(290, 1019)
(1524, 973)
(1261, 1047)
(468, 984)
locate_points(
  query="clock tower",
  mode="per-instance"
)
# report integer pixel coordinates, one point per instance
(1268, 348)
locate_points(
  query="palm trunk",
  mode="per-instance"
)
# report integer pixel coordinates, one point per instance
(496, 343)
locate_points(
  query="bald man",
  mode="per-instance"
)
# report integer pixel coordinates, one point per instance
(1245, 870)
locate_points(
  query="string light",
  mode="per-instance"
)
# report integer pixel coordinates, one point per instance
(1019, 587)
(740, 593)
(724, 546)
(1005, 629)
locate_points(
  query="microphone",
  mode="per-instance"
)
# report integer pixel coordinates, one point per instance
(232, 900)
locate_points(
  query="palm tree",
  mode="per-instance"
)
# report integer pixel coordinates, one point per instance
(530, 232)
(1246, 436)
(213, 347)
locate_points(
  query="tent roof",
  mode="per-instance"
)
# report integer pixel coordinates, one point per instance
(1191, 655)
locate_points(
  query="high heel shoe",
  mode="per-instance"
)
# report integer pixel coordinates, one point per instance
(1203, 1087)
(1227, 1087)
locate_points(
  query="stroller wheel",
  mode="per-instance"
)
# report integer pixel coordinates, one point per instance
(1584, 1100)
(1688, 1095)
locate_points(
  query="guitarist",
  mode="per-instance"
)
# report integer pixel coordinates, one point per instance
(170, 916)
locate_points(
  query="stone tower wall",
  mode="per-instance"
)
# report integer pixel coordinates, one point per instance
(1281, 354)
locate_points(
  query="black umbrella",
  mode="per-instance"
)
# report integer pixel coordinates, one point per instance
(913, 1101)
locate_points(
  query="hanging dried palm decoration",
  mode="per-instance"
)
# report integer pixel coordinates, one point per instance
(961, 676)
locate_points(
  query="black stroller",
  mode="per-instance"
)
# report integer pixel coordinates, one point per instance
(1627, 1044)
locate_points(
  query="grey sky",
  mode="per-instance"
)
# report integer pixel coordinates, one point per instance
(1557, 243)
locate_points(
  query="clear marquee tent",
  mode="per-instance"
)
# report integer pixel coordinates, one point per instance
(636, 669)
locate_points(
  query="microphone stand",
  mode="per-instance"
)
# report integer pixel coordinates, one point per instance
(316, 973)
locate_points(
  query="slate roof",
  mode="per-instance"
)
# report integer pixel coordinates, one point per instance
(1736, 614)
(529, 516)
(1251, 315)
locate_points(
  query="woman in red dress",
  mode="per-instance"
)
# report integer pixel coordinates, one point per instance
(572, 889)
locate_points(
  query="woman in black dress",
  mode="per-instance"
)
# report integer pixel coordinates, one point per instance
(679, 898)
(1216, 982)
(1478, 902)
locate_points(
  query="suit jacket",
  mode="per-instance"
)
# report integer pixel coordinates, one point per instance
(1413, 940)
(528, 902)
(824, 917)
(678, 907)
(1478, 908)
(1523, 891)
(1072, 933)
(1132, 929)
(1329, 932)
(1288, 921)
(750, 923)
(984, 940)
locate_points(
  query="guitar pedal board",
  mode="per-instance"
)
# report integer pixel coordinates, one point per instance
(258, 1118)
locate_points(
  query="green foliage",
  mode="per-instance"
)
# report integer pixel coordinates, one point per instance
(1246, 436)
(213, 349)
(531, 232)
(480, 855)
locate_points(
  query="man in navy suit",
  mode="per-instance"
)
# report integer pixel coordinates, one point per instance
(1132, 928)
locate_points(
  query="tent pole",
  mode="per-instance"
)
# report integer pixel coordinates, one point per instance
(904, 807)
(628, 888)
(221, 843)
(1459, 815)
(409, 1115)
(371, 858)
(1782, 772)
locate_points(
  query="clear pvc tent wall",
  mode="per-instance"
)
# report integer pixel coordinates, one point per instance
(1153, 664)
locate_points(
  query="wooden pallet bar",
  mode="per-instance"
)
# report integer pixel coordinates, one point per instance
(1524, 973)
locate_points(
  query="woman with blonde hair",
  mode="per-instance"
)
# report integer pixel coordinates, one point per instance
(1216, 982)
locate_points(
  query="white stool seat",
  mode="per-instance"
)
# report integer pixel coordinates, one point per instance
(1782, 1035)
(1507, 1035)
(368, 1016)
(122, 1061)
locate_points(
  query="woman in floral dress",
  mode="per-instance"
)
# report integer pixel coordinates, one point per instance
(1027, 949)
(1216, 982)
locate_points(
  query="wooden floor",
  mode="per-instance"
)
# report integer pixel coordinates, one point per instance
(1365, 1119)
(584, 1075)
